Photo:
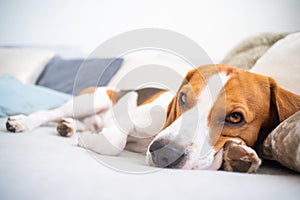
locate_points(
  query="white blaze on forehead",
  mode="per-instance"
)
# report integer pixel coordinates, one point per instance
(191, 129)
(201, 153)
(215, 84)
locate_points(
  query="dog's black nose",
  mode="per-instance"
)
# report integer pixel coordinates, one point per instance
(165, 155)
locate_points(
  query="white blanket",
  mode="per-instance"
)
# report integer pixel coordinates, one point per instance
(41, 165)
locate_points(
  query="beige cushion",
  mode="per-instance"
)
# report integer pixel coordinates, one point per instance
(25, 64)
(245, 54)
(282, 144)
(282, 62)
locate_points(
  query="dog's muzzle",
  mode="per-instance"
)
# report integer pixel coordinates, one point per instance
(166, 155)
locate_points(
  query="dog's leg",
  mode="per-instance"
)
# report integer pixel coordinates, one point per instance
(116, 127)
(21, 123)
(68, 126)
(240, 158)
(110, 141)
(78, 107)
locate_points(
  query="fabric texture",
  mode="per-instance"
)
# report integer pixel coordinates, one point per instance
(282, 144)
(246, 53)
(73, 75)
(18, 98)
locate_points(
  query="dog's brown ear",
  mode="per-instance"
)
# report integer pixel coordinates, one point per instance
(172, 112)
(286, 103)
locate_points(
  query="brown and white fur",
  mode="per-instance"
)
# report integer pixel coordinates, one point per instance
(216, 118)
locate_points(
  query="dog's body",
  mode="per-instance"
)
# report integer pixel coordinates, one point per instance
(217, 115)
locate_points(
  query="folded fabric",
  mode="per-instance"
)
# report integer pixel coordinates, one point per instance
(282, 144)
(73, 75)
(18, 98)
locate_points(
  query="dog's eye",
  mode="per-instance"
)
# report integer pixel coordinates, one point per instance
(182, 99)
(234, 118)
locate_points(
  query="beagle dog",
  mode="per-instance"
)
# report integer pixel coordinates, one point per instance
(218, 116)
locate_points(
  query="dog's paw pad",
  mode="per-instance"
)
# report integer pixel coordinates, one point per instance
(65, 128)
(240, 158)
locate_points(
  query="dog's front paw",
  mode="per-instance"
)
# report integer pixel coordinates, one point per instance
(66, 127)
(16, 124)
(240, 158)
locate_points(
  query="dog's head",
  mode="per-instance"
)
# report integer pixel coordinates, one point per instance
(215, 104)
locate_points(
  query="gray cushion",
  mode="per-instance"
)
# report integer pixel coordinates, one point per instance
(72, 76)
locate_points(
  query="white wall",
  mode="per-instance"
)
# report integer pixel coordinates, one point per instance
(217, 25)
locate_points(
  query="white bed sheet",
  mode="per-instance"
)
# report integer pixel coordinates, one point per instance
(41, 165)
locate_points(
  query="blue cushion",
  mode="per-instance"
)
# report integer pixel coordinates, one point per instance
(73, 75)
(19, 98)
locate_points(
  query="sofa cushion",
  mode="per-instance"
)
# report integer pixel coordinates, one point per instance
(282, 144)
(25, 64)
(73, 75)
(246, 53)
(18, 98)
(282, 62)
